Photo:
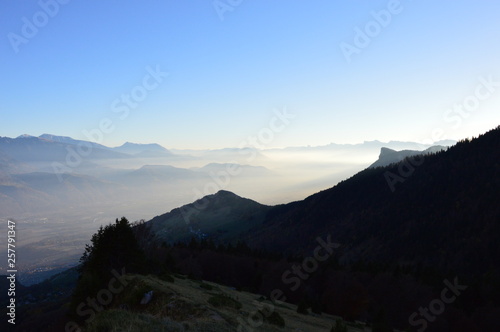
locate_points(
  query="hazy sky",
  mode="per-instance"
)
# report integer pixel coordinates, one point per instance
(349, 71)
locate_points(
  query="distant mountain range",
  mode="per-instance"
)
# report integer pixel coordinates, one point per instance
(396, 145)
(49, 173)
(97, 173)
(127, 147)
(48, 147)
(67, 140)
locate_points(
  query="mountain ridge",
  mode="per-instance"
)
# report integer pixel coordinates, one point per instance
(389, 156)
(139, 149)
(221, 216)
(344, 210)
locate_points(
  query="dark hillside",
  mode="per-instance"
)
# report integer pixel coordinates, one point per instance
(444, 213)
(222, 216)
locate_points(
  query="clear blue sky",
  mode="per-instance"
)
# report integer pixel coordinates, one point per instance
(225, 77)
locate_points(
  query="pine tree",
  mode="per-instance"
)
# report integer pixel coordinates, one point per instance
(113, 247)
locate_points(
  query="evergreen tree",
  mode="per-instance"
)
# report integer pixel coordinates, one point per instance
(113, 247)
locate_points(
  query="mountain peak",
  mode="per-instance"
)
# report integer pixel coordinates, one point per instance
(385, 151)
(131, 144)
(222, 196)
(222, 216)
(25, 136)
(142, 149)
(225, 193)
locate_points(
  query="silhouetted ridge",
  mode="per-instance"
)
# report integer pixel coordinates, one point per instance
(443, 214)
(385, 151)
(220, 216)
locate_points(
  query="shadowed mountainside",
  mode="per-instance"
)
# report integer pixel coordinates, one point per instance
(444, 212)
(222, 216)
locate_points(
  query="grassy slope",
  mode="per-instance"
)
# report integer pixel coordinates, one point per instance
(183, 305)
